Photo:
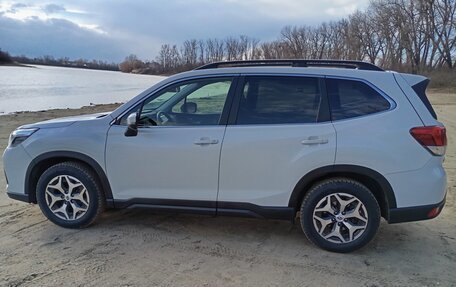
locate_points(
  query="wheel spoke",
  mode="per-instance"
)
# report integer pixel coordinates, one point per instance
(342, 202)
(352, 229)
(76, 210)
(72, 184)
(326, 207)
(54, 198)
(355, 213)
(63, 210)
(336, 232)
(323, 222)
(58, 186)
(82, 196)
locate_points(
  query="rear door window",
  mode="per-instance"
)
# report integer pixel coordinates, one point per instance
(351, 98)
(279, 100)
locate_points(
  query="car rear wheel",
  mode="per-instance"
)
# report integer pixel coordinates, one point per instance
(340, 215)
(69, 195)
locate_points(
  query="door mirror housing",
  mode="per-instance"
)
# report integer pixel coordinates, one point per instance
(189, 108)
(132, 125)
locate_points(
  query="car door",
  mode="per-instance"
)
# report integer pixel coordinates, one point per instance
(174, 158)
(279, 131)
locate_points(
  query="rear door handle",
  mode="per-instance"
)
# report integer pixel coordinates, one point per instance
(314, 141)
(205, 141)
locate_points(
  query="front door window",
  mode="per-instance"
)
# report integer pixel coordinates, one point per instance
(191, 103)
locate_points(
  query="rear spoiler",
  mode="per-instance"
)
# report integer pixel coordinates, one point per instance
(419, 85)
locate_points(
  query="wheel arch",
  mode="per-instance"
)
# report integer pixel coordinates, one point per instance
(46, 160)
(372, 179)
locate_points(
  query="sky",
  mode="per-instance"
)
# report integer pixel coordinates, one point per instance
(110, 30)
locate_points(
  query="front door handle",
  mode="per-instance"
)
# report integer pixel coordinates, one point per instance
(205, 141)
(314, 141)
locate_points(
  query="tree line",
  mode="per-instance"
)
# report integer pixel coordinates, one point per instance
(5, 58)
(414, 36)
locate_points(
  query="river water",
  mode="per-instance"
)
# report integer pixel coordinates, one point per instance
(44, 87)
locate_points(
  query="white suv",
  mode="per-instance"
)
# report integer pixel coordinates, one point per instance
(338, 144)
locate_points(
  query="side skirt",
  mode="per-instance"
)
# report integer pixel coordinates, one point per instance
(240, 209)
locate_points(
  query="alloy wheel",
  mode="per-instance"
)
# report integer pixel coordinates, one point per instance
(67, 197)
(340, 218)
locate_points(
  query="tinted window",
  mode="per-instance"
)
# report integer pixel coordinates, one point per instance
(279, 100)
(349, 99)
(209, 99)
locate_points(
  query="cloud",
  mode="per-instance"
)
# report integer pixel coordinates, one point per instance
(14, 8)
(175, 21)
(19, 5)
(141, 26)
(53, 8)
(59, 38)
(342, 7)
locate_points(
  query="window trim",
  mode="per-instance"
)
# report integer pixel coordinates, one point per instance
(230, 110)
(391, 102)
(323, 114)
(226, 108)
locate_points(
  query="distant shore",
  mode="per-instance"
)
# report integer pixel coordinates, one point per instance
(16, 64)
(53, 113)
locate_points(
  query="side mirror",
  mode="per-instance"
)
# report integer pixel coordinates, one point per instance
(189, 108)
(132, 125)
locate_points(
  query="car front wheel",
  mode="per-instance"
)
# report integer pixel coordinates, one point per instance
(69, 195)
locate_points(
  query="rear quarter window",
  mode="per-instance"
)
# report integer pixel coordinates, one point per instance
(351, 98)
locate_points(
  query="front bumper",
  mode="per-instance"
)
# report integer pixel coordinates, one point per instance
(15, 163)
(18, 196)
(415, 213)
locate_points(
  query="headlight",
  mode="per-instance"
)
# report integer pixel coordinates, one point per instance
(20, 135)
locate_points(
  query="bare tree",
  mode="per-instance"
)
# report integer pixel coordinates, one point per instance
(189, 53)
(130, 63)
(405, 35)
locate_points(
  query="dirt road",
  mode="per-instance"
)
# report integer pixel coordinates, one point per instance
(138, 247)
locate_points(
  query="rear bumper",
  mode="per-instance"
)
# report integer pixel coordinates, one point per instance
(415, 213)
(18, 196)
(419, 187)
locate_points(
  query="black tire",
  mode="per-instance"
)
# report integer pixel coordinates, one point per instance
(318, 194)
(93, 195)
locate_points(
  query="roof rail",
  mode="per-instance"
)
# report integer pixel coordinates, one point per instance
(294, 63)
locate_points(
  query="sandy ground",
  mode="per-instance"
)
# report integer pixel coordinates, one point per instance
(139, 247)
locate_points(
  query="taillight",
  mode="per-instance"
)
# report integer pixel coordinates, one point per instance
(433, 138)
(434, 212)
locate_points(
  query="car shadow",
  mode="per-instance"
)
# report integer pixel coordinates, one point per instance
(390, 238)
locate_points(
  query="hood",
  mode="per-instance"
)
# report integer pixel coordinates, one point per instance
(63, 122)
